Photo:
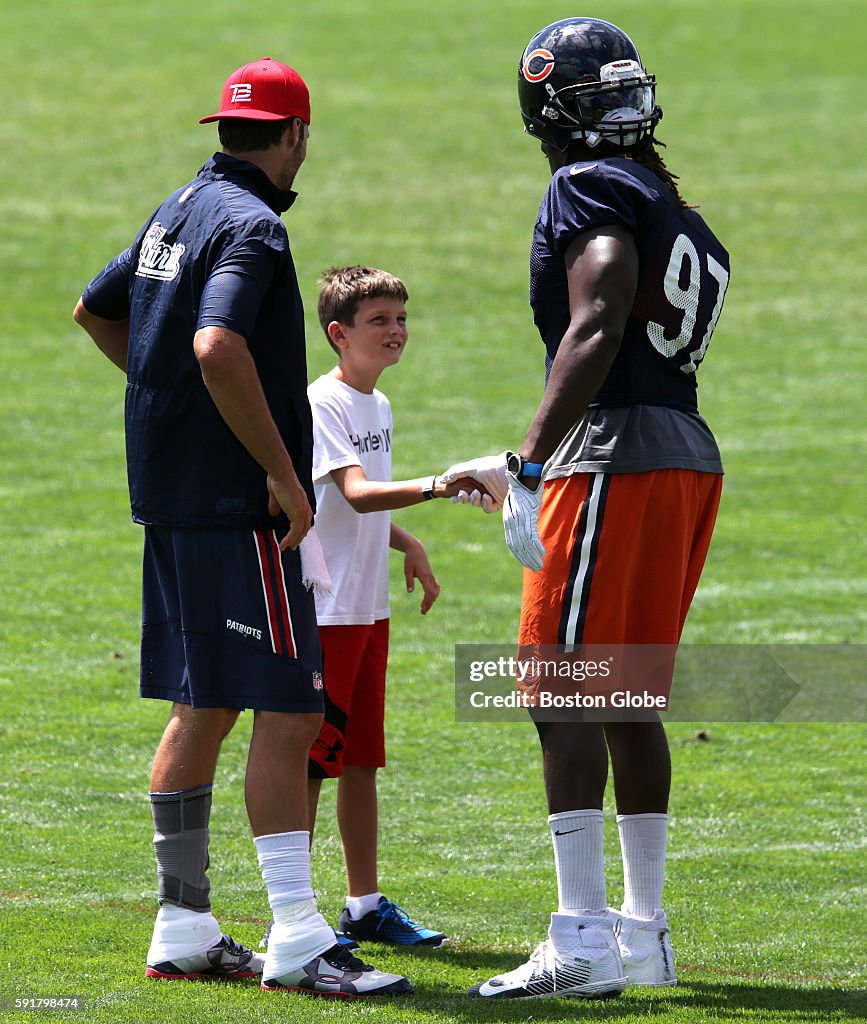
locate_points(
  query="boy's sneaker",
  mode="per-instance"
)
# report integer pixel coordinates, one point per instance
(645, 946)
(388, 923)
(339, 974)
(590, 969)
(228, 961)
(341, 940)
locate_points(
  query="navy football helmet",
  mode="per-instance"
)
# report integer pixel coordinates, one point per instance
(582, 78)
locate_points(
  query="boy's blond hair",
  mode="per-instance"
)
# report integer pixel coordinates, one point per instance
(343, 289)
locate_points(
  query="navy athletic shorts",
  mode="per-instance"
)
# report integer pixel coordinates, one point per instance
(227, 622)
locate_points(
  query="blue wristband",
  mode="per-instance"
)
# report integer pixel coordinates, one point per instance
(532, 468)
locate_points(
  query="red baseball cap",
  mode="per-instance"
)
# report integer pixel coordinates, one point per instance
(265, 90)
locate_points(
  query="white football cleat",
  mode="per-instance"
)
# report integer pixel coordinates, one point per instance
(645, 947)
(585, 964)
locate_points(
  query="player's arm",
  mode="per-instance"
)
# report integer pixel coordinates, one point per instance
(415, 565)
(602, 271)
(230, 304)
(232, 380)
(103, 310)
(380, 495)
(111, 336)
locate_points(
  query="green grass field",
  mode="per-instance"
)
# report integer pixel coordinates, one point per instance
(417, 164)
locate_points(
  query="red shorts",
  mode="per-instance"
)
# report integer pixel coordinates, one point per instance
(354, 660)
(624, 553)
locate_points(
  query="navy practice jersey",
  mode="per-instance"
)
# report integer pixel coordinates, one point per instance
(215, 253)
(683, 273)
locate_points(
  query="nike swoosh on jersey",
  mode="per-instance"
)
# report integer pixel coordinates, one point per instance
(581, 170)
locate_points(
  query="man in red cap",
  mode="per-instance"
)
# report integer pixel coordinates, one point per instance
(204, 315)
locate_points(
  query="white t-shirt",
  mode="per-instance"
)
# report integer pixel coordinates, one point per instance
(351, 428)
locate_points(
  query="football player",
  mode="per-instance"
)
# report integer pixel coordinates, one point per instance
(611, 500)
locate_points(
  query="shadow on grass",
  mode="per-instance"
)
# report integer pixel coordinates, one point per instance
(720, 1000)
(724, 998)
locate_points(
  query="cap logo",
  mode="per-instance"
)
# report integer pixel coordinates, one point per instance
(242, 92)
(542, 62)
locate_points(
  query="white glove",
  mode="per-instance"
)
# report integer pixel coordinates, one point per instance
(476, 499)
(489, 471)
(520, 519)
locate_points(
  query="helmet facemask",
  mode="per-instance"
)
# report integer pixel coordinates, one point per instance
(618, 108)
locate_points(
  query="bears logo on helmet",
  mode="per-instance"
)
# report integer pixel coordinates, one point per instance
(544, 65)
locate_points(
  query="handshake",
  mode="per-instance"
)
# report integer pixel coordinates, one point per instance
(498, 487)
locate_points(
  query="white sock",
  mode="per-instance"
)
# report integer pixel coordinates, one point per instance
(358, 906)
(299, 933)
(179, 932)
(285, 862)
(292, 945)
(578, 856)
(642, 843)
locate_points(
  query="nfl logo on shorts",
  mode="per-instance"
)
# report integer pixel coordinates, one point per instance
(317, 680)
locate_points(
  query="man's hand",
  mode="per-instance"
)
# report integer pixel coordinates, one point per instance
(417, 567)
(520, 519)
(291, 497)
(490, 472)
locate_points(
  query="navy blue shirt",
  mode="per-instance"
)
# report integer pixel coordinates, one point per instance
(683, 272)
(215, 253)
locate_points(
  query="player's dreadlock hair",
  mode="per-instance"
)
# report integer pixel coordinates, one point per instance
(649, 157)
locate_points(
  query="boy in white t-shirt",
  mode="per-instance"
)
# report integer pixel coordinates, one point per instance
(363, 313)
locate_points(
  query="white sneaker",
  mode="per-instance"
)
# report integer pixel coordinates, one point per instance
(227, 960)
(586, 964)
(338, 973)
(645, 947)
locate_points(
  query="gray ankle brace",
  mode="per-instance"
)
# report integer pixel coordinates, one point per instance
(181, 846)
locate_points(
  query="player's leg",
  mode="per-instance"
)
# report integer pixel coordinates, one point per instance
(250, 640)
(314, 790)
(677, 511)
(580, 956)
(641, 766)
(357, 817)
(341, 650)
(180, 792)
(275, 789)
(369, 916)
(187, 941)
(575, 768)
(314, 787)
(187, 754)
(303, 953)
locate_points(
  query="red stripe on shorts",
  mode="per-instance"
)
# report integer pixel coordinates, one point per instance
(282, 596)
(268, 590)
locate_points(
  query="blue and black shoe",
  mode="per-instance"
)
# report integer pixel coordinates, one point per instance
(391, 924)
(342, 940)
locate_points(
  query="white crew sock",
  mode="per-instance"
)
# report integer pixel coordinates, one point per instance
(299, 932)
(358, 906)
(642, 843)
(578, 856)
(180, 932)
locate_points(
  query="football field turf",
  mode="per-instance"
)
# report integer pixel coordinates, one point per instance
(417, 164)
